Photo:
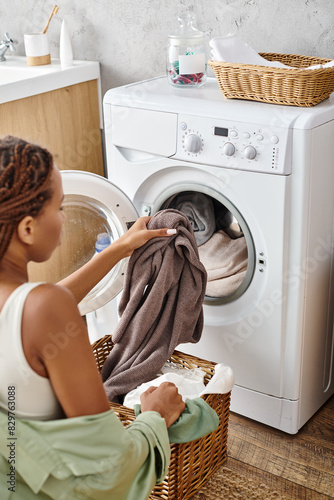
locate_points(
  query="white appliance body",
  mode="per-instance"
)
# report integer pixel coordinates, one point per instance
(272, 167)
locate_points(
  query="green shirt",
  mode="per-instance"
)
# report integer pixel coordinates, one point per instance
(81, 458)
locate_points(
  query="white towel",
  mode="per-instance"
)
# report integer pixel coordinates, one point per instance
(329, 64)
(189, 388)
(231, 49)
(221, 382)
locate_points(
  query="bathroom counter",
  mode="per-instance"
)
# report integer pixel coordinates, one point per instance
(18, 80)
(60, 109)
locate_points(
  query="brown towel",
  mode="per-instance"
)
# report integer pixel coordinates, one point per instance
(198, 207)
(225, 260)
(160, 308)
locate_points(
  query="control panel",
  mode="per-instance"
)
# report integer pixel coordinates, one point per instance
(223, 143)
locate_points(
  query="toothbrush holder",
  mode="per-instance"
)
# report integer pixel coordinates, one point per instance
(37, 49)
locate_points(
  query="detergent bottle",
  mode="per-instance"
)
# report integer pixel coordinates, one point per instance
(103, 320)
(103, 240)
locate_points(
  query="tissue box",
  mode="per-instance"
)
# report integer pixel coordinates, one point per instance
(294, 87)
(192, 464)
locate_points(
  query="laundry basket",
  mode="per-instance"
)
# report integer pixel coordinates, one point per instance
(294, 87)
(192, 464)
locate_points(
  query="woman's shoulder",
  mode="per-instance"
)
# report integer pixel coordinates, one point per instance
(36, 295)
(50, 304)
(50, 317)
(43, 293)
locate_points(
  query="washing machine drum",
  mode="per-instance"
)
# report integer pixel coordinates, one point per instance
(93, 206)
(224, 242)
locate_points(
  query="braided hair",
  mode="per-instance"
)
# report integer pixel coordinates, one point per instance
(25, 171)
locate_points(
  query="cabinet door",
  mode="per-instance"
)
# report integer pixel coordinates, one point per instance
(65, 121)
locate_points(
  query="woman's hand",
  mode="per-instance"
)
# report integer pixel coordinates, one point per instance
(164, 399)
(138, 234)
(86, 277)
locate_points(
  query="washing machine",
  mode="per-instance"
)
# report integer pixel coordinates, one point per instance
(270, 169)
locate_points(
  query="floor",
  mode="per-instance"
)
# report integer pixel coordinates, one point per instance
(298, 466)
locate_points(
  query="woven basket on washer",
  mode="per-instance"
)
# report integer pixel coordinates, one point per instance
(192, 464)
(293, 87)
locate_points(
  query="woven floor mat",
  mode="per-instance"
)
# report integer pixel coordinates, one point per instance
(227, 484)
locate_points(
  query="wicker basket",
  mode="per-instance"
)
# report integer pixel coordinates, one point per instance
(192, 464)
(293, 87)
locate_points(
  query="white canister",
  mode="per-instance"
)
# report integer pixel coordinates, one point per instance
(37, 49)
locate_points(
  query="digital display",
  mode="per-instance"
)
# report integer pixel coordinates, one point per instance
(223, 132)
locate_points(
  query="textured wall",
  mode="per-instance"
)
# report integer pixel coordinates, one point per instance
(129, 37)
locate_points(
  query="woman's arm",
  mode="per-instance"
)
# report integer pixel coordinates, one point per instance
(84, 279)
(56, 345)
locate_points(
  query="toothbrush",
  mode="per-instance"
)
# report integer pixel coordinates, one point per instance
(54, 11)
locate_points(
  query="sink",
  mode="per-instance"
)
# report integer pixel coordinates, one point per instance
(18, 80)
(10, 74)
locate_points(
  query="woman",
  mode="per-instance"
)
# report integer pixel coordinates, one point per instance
(40, 325)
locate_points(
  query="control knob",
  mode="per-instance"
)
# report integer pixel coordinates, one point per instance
(250, 152)
(193, 143)
(228, 149)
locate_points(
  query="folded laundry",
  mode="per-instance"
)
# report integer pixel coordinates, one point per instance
(231, 49)
(160, 308)
(199, 209)
(329, 64)
(225, 260)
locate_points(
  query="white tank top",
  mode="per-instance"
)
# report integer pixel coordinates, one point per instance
(21, 388)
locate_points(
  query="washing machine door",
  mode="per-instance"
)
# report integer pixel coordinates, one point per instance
(92, 205)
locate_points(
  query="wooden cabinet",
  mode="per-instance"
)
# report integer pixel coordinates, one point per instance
(66, 121)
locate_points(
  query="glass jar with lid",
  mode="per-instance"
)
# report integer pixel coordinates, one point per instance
(186, 60)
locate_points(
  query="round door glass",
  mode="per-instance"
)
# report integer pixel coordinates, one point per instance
(93, 207)
(85, 220)
(225, 244)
